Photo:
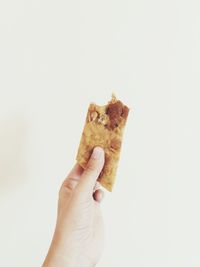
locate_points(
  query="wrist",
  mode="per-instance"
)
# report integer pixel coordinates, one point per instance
(60, 261)
(68, 258)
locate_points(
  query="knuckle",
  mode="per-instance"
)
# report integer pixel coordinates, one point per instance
(66, 188)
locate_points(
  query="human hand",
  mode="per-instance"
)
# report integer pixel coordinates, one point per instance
(78, 238)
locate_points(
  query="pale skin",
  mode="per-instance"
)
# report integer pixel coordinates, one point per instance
(79, 233)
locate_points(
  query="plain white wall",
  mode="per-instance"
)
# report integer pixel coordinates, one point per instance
(58, 56)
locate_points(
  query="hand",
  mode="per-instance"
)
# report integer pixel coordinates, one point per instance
(79, 234)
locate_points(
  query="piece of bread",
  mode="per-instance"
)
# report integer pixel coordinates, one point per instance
(104, 127)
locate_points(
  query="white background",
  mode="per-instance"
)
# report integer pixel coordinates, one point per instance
(58, 56)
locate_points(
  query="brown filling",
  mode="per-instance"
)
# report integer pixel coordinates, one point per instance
(116, 111)
(125, 112)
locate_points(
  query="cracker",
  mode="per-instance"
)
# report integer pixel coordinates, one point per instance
(104, 127)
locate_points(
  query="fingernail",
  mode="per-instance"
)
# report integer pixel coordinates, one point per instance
(98, 152)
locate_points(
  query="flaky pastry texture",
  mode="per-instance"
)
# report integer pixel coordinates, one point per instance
(104, 127)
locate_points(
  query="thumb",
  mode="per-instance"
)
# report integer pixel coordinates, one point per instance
(91, 173)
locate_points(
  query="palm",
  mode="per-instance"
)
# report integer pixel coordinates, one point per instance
(88, 228)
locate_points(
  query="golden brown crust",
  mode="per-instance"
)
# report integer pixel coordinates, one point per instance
(104, 127)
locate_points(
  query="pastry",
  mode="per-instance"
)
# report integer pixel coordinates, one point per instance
(104, 127)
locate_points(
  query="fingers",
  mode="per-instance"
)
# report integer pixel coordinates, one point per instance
(73, 178)
(97, 186)
(76, 172)
(98, 195)
(92, 172)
